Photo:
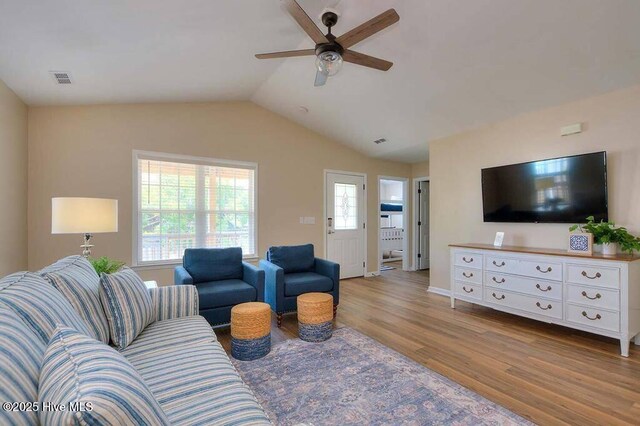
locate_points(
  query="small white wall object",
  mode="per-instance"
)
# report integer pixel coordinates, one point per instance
(571, 129)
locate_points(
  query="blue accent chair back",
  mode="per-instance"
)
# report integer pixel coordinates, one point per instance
(294, 270)
(223, 280)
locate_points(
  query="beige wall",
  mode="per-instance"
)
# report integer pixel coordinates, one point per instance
(87, 151)
(612, 124)
(421, 169)
(13, 182)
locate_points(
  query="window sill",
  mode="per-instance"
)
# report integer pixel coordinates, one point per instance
(171, 265)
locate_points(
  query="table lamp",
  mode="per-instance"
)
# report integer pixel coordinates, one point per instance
(87, 216)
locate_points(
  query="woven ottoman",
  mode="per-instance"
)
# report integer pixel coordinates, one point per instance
(315, 316)
(250, 330)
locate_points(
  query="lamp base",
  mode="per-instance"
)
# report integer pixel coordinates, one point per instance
(86, 247)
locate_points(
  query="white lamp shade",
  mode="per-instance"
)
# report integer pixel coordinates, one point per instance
(74, 215)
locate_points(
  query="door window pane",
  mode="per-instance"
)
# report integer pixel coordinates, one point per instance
(346, 206)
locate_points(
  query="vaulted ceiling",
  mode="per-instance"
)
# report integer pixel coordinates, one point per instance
(458, 64)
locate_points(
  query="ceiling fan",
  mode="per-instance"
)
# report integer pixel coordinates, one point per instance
(331, 51)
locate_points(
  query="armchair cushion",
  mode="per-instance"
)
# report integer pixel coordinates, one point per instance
(215, 294)
(292, 258)
(306, 282)
(213, 264)
(174, 301)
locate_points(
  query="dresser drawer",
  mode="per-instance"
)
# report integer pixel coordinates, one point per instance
(536, 305)
(501, 264)
(464, 289)
(469, 260)
(593, 317)
(593, 296)
(539, 288)
(593, 275)
(541, 269)
(468, 275)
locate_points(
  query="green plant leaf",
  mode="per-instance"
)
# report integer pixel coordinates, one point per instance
(106, 265)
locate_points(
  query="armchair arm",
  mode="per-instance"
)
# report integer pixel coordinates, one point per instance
(273, 285)
(254, 277)
(331, 270)
(181, 276)
(174, 301)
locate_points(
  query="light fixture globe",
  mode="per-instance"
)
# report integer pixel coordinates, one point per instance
(329, 62)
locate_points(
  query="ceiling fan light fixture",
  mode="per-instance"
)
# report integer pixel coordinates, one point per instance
(329, 62)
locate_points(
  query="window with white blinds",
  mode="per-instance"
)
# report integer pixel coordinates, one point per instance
(185, 202)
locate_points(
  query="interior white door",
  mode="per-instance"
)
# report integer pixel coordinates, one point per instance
(344, 220)
(423, 225)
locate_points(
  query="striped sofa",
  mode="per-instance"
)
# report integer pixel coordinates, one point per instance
(177, 355)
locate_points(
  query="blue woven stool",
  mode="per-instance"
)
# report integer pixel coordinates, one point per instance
(315, 316)
(250, 331)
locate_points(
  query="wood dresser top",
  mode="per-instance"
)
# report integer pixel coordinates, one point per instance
(548, 252)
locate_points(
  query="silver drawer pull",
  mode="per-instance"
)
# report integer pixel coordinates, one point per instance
(464, 274)
(543, 289)
(498, 282)
(467, 261)
(597, 317)
(498, 298)
(596, 297)
(596, 276)
(500, 265)
(549, 269)
(542, 307)
(468, 291)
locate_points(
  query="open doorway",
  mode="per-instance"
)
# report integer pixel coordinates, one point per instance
(421, 223)
(392, 222)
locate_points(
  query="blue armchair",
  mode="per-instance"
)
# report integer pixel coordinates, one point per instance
(294, 270)
(223, 280)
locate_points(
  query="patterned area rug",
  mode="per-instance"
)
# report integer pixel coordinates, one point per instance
(353, 380)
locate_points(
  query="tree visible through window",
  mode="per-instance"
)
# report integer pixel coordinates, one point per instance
(188, 203)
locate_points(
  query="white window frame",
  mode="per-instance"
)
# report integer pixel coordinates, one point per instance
(179, 158)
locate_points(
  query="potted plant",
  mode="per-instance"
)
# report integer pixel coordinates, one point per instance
(106, 265)
(609, 236)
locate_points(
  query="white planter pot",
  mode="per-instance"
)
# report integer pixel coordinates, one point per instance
(610, 249)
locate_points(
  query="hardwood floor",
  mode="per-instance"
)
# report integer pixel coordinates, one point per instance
(548, 374)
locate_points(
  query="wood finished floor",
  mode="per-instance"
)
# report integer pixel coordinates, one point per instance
(547, 374)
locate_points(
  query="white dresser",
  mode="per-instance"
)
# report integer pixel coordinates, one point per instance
(594, 293)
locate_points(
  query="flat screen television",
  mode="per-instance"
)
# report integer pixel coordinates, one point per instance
(557, 190)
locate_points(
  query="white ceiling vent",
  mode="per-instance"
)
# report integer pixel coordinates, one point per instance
(61, 77)
(379, 141)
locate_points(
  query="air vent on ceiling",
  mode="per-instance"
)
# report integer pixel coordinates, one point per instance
(61, 77)
(379, 141)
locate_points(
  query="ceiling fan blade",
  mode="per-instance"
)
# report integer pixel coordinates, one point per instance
(305, 22)
(286, 54)
(366, 60)
(369, 28)
(321, 78)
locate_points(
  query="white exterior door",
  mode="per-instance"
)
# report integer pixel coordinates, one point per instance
(344, 219)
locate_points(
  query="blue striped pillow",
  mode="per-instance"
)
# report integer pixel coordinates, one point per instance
(128, 305)
(39, 305)
(21, 353)
(80, 370)
(77, 280)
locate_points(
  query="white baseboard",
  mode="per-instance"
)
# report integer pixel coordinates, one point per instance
(439, 291)
(372, 274)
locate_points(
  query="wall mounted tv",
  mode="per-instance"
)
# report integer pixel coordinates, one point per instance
(557, 190)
